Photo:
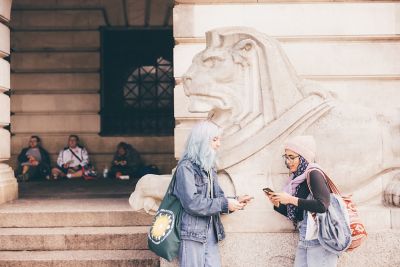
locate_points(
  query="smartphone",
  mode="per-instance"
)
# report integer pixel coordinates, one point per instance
(268, 190)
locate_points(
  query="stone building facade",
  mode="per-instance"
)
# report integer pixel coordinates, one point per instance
(349, 47)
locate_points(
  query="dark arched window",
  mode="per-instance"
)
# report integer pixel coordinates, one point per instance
(137, 82)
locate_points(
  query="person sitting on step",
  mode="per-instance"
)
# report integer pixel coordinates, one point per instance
(126, 162)
(33, 161)
(72, 160)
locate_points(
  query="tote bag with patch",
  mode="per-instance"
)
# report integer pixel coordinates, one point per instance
(164, 235)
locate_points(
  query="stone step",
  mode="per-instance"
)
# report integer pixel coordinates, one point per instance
(55, 123)
(321, 57)
(79, 258)
(76, 189)
(57, 19)
(74, 238)
(55, 62)
(50, 82)
(55, 40)
(369, 18)
(86, 103)
(32, 213)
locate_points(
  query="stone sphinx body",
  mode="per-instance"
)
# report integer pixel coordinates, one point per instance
(247, 85)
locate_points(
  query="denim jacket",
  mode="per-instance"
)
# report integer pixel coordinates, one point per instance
(198, 208)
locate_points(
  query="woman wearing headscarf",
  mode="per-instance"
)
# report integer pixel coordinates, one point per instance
(297, 203)
(202, 198)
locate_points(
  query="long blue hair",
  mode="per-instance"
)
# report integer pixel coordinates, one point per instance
(198, 145)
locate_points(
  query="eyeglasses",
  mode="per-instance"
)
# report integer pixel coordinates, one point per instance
(290, 158)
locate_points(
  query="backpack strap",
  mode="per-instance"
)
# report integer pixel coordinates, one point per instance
(331, 185)
(75, 155)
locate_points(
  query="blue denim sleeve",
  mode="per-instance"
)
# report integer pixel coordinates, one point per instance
(220, 193)
(192, 202)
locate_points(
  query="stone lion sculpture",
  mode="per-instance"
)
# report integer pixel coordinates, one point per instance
(245, 82)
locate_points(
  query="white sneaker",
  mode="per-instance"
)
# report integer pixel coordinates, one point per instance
(69, 176)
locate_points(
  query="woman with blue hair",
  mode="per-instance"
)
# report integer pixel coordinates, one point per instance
(202, 198)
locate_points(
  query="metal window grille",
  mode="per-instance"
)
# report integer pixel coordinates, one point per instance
(137, 87)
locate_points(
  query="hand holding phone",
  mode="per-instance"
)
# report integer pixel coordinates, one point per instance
(268, 191)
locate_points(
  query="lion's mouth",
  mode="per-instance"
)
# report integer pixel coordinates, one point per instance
(205, 103)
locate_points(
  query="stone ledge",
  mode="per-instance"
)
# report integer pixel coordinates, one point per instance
(314, 19)
(55, 103)
(71, 213)
(321, 58)
(35, 82)
(57, 19)
(52, 123)
(73, 238)
(55, 62)
(55, 41)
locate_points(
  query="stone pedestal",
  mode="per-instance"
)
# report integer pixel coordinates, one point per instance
(8, 183)
(278, 250)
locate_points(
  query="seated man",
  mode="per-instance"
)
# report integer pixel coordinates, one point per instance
(126, 162)
(33, 161)
(72, 160)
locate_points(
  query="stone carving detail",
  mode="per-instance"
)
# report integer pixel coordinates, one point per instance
(245, 82)
(149, 192)
(392, 192)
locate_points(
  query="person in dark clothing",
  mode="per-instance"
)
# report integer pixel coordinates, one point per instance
(126, 162)
(33, 161)
(297, 204)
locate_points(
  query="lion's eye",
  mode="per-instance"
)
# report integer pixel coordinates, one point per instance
(209, 62)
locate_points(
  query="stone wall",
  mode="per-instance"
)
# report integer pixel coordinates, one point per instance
(8, 184)
(55, 77)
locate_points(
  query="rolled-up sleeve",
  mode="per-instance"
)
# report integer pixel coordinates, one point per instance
(193, 202)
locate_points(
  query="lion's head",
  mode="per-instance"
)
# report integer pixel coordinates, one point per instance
(242, 77)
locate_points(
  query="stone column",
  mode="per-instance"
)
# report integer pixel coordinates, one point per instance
(8, 183)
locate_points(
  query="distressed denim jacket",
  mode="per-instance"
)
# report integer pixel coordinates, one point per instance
(198, 208)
